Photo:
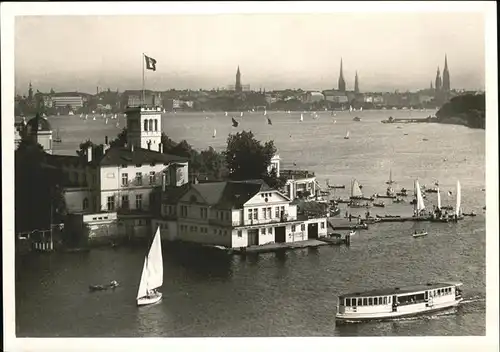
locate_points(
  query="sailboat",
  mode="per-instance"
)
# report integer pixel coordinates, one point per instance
(241, 115)
(458, 212)
(301, 117)
(152, 274)
(225, 113)
(390, 181)
(347, 135)
(215, 133)
(419, 207)
(356, 191)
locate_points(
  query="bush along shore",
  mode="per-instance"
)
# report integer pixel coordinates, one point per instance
(468, 110)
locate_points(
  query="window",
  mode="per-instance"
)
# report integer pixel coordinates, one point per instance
(293, 228)
(264, 213)
(145, 125)
(227, 215)
(277, 212)
(322, 225)
(347, 302)
(249, 214)
(150, 125)
(138, 165)
(365, 301)
(255, 214)
(262, 231)
(282, 211)
(302, 227)
(184, 211)
(385, 300)
(124, 166)
(85, 204)
(125, 203)
(270, 230)
(111, 203)
(125, 179)
(138, 201)
(138, 175)
(152, 178)
(269, 213)
(156, 125)
(240, 233)
(370, 301)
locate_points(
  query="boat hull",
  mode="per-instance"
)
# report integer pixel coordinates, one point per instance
(358, 318)
(144, 301)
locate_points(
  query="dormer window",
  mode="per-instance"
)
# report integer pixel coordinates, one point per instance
(124, 165)
(138, 165)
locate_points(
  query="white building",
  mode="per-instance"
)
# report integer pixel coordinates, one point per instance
(39, 129)
(235, 214)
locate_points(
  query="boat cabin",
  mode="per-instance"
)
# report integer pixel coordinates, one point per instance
(392, 298)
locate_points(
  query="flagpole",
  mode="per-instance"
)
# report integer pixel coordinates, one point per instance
(143, 92)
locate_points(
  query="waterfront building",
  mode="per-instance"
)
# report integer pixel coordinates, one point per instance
(313, 97)
(236, 214)
(335, 96)
(300, 183)
(74, 100)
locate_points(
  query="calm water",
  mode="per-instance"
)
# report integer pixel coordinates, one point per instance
(282, 294)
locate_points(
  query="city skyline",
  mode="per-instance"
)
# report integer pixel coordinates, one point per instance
(205, 51)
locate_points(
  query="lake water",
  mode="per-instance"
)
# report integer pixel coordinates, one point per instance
(282, 294)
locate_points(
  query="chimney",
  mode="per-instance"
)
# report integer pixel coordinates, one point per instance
(160, 148)
(163, 181)
(106, 140)
(89, 154)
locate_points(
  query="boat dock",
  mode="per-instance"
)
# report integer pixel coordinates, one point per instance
(276, 247)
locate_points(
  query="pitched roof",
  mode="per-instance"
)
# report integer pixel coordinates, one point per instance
(122, 155)
(230, 195)
(173, 194)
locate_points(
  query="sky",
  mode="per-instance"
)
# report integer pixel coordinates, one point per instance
(274, 51)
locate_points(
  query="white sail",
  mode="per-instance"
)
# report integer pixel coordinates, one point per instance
(420, 200)
(265, 112)
(241, 115)
(152, 271)
(459, 199)
(215, 133)
(301, 117)
(356, 190)
(390, 182)
(361, 109)
(439, 198)
(225, 113)
(347, 135)
(350, 108)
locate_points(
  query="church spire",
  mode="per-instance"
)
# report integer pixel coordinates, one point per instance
(341, 78)
(356, 83)
(438, 80)
(237, 86)
(446, 75)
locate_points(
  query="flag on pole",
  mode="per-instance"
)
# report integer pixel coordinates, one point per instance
(150, 63)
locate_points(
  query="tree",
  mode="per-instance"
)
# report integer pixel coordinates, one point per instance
(120, 140)
(39, 199)
(247, 158)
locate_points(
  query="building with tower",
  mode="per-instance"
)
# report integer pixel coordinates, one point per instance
(341, 84)
(356, 83)
(237, 86)
(144, 127)
(38, 129)
(437, 85)
(446, 76)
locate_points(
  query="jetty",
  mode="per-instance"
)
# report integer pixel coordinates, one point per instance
(277, 247)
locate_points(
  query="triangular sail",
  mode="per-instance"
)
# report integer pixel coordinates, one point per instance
(459, 199)
(215, 133)
(439, 198)
(356, 190)
(420, 200)
(152, 271)
(347, 134)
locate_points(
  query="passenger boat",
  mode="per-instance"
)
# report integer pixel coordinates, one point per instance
(379, 204)
(472, 213)
(391, 303)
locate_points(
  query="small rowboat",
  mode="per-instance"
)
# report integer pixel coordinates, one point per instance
(420, 234)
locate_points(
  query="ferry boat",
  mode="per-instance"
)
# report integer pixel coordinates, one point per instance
(391, 303)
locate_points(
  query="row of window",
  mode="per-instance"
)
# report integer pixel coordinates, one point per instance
(150, 125)
(124, 166)
(203, 213)
(266, 213)
(125, 202)
(367, 301)
(442, 291)
(138, 178)
(202, 229)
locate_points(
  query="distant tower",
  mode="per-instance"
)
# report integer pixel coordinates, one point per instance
(356, 83)
(144, 127)
(438, 81)
(237, 86)
(30, 92)
(446, 76)
(341, 78)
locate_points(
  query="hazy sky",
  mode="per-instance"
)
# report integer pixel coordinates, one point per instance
(389, 50)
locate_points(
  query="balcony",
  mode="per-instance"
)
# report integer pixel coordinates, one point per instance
(253, 222)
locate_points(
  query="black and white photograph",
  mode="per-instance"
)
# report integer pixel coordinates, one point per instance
(250, 170)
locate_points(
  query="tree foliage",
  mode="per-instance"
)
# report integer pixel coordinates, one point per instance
(38, 189)
(247, 158)
(468, 107)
